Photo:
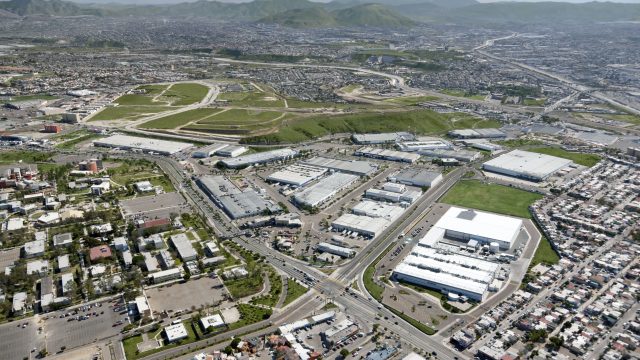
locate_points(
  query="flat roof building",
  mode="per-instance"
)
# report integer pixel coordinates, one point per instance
(383, 138)
(34, 248)
(207, 151)
(214, 321)
(183, 245)
(166, 275)
(386, 154)
(416, 177)
(259, 158)
(232, 151)
(459, 155)
(65, 239)
(355, 167)
(526, 165)
(325, 189)
(235, 202)
(491, 133)
(424, 144)
(468, 224)
(163, 147)
(297, 175)
(175, 332)
(336, 250)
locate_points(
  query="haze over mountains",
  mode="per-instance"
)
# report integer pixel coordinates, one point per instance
(384, 13)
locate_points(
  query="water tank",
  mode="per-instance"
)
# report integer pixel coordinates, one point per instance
(453, 297)
(494, 247)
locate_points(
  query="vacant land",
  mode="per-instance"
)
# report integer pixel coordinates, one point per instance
(294, 291)
(420, 121)
(491, 197)
(578, 158)
(412, 100)
(180, 119)
(460, 93)
(127, 112)
(545, 254)
(240, 116)
(185, 94)
(255, 98)
(534, 102)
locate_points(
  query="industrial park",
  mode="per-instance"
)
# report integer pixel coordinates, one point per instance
(297, 180)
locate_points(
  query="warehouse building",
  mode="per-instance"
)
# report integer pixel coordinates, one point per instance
(259, 158)
(355, 167)
(231, 151)
(335, 250)
(369, 218)
(146, 145)
(208, 151)
(485, 228)
(416, 177)
(447, 272)
(384, 138)
(459, 155)
(526, 165)
(478, 134)
(297, 175)
(325, 189)
(425, 144)
(396, 193)
(378, 210)
(235, 202)
(385, 154)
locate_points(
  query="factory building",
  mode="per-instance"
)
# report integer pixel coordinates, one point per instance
(297, 175)
(355, 167)
(231, 151)
(526, 165)
(447, 272)
(396, 193)
(369, 218)
(416, 177)
(325, 189)
(207, 151)
(459, 155)
(385, 154)
(146, 145)
(235, 202)
(384, 138)
(336, 250)
(478, 134)
(485, 228)
(426, 144)
(259, 158)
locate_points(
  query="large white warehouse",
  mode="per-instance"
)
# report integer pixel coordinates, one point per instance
(526, 165)
(468, 224)
(320, 192)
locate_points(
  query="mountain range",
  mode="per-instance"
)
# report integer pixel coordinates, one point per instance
(372, 13)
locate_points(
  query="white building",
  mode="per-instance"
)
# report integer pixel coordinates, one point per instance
(175, 332)
(526, 165)
(38, 267)
(182, 243)
(166, 275)
(336, 250)
(63, 262)
(144, 186)
(34, 248)
(325, 189)
(214, 321)
(126, 142)
(297, 175)
(416, 177)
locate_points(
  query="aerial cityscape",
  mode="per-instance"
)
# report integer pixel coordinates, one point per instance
(300, 180)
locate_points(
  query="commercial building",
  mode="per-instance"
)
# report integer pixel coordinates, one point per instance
(459, 155)
(526, 165)
(425, 144)
(207, 151)
(297, 175)
(384, 138)
(213, 321)
(369, 218)
(144, 186)
(231, 151)
(394, 192)
(336, 250)
(478, 134)
(175, 332)
(183, 245)
(235, 202)
(146, 145)
(142, 306)
(416, 177)
(166, 275)
(485, 228)
(322, 191)
(447, 272)
(259, 158)
(355, 167)
(385, 154)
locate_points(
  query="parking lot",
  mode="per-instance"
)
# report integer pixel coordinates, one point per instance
(17, 340)
(156, 206)
(183, 296)
(70, 332)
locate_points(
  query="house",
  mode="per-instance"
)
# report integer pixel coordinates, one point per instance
(37, 267)
(19, 303)
(63, 263)
(120, 244)
(99, 252)
(34, 248)
(65, 239)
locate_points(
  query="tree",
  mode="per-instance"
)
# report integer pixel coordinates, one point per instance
(344, 352)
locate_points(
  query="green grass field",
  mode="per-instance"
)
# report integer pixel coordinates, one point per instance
(544, 254)
(491, 197)
(294, 291)
(628, 118)
(412, 100)
(534, 102)
(252, 99)
(8, 157)
(240, 116)
(180, 119)
(138, 99)
(185, 93)
(127, 112)
(419, 121)
(460, 93)
(579, 158)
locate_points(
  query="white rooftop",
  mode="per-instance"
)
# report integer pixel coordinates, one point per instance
(176, 332)
(480, 224)
(144, 144)
(212, 321)
(527, 163)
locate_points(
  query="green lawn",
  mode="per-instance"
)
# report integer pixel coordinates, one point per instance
(127, 112)
(153, 89)
(131, 346)
(271, 299)
(252, 99)
(240, 116)
(491, 197)
(579, 158)
(24, 156)
(250, 314)
(412, 100)
(186, 93)
(534, 102)
(180, 119)
(422, 122)
(545, 254)
(461, 93)
(239, 288)
(628, 118)
(70, 144)
(137, 99)
(295, 290)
